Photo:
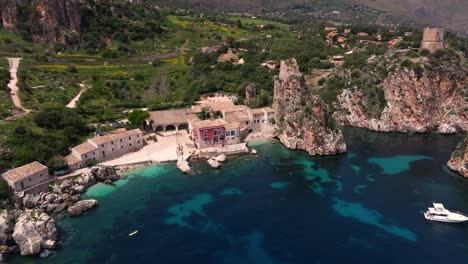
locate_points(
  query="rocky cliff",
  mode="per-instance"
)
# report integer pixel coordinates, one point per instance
(44, 20)
(420, 99)
(459, 160)
(302, 117)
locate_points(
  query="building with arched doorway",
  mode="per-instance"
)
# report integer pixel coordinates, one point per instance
(169, 120)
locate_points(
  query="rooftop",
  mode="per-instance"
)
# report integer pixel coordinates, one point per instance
(218, 106)
(210, 123)
(72, 159)
(257, 111)
(22, 172)
(84, 148)
(268, 109)
(192, 118)
(170, 117)
(232, 125)
(236, 117)
(116, 136)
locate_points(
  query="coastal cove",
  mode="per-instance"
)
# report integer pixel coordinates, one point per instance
(280, 206)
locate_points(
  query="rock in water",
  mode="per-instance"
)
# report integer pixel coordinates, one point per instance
(214, 163)
(45, 253)
(34, 231)
(105, 174)
(82, 206)
(183, 166)
(221, 158)
(302, 119)
(459, 160)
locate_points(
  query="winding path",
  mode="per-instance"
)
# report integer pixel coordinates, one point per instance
(14, 89)
(72, 103)
(13, 85)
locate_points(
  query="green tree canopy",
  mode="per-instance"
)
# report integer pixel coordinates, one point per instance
(138, 117)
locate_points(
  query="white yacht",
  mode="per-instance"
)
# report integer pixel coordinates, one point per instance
(439, 213)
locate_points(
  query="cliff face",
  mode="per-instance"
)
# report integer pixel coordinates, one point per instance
(301, 116)
(46, 20)
(434, 101)
(459, 160)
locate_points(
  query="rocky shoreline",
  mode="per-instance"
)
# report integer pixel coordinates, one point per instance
(27, 222)
(459, 159)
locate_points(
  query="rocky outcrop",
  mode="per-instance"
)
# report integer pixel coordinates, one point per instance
(105, 174)
(53, 20)
(302, 118)
(214, 163)
(183, 166)
(82, 206)
(6, 230)
(459, 160)
(35, 231)
(432, 100)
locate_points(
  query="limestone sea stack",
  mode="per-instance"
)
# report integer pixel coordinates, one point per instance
(302, 118)
(459, 160)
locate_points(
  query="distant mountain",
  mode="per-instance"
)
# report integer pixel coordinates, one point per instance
(450, 14)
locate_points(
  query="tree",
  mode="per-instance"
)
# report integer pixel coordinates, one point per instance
(4, 189)
(424, 52)
(138, 118)
(57, 163)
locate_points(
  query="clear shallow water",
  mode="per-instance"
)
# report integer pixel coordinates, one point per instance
(280, 207)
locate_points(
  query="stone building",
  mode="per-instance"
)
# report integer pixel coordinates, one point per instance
(433, 39)
(169, 120)
(209, 133)
(30, 178)
(105, 147)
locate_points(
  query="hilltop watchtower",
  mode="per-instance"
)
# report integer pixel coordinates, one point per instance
(433, 39)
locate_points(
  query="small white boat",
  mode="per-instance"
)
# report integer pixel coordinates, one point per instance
(440, 214)
(133, 233)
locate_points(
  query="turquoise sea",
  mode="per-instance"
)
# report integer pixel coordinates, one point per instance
(280, 206)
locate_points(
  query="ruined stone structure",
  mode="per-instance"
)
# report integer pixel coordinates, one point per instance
(433, 39)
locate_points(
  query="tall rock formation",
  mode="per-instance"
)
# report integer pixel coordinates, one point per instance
(459, 160)
(45, 20)
(432, 99)
(301, 116)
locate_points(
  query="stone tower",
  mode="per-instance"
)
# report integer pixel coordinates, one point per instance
(433, 39)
